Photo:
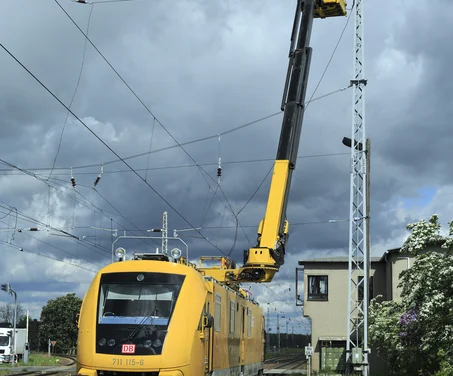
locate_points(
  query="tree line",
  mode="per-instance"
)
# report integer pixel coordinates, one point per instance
(56, 323)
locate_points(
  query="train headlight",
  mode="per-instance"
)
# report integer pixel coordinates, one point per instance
(111, 342)
(102, 342)
(157, 343)
(176, 253)
(140, 277)
(147, 343)
(120, 252)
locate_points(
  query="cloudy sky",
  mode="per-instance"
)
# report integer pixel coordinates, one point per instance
(195, 69)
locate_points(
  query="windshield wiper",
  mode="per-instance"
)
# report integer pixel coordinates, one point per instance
(142, 324)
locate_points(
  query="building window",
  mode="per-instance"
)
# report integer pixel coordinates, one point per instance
(232, 313)
(317, 287)
(217, 311)
(360, 288)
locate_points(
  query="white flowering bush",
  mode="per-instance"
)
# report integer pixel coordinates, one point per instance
(415, 336)
(423, 235)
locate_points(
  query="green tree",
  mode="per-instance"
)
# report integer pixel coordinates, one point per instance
(415, 335)
(58, 321)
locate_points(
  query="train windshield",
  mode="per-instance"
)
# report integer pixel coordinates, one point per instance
(145, 302)
(135, 308)
(4, 341)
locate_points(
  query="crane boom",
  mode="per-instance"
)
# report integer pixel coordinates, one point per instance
(264, 260)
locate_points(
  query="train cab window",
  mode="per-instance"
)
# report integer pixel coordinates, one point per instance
(232, 317)
(135, 303)
(249, 322)
(217, 312)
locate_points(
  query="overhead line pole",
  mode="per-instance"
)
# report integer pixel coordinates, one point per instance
(358, 264)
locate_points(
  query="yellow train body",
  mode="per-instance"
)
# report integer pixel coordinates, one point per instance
(157, 318)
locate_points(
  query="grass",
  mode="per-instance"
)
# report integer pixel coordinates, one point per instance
(34, 360)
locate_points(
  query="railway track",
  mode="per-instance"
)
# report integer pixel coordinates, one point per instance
(279, 359)
(290, 364)
(294, 363)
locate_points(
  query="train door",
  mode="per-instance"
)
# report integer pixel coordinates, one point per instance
(243, 334)
(208, 338)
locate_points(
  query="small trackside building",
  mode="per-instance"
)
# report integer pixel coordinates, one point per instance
(325, 303)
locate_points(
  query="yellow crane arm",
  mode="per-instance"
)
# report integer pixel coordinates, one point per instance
(264, 260)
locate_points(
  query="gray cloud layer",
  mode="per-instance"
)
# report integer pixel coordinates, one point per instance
(204, 67)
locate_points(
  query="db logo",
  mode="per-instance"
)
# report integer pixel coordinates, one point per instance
(128, 349)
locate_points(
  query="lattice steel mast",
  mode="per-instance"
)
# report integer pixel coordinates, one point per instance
(358, 272)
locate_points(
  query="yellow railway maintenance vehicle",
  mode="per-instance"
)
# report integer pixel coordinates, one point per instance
(159, 315)
(150, 316)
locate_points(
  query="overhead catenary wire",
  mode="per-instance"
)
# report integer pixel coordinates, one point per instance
(108, 215)
(100, 211)
(2, 46)
(237, 222)
(73, 94)
(26, 218)
(209, 205)
(279, 297)
(9, 170)
(256, 191)
(205, 138)
(330, 61)
(221, 223)
(144, 106)
(107, 146)
(255, 226)
(317, 86)
(27, 250)
(150, 146)
(10, 210)
(85, 202)
(51, 245)
(101, 2)
(292, 224)
(125, 83)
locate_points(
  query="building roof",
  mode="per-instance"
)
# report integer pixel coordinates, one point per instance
(393, 250)
(342, 259)
(334, 338)
(335, 259)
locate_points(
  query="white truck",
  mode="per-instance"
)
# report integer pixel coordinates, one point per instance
(7, 347)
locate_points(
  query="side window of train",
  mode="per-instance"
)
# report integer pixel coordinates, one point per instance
(217, 312)
(203, 313)
(249, 322)
(232, 317)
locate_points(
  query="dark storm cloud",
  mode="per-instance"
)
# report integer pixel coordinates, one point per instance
(204, 67)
